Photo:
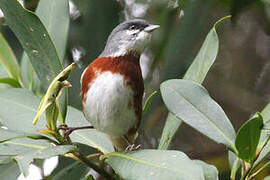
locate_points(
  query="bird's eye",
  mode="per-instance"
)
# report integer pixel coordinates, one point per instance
(132, 27)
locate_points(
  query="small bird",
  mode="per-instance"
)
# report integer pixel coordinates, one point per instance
(112, 85)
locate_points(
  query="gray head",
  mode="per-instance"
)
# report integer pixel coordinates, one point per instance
(129, 36)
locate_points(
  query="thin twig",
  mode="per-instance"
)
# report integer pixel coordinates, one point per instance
(94, 155)
(101, 171)
(84, 159)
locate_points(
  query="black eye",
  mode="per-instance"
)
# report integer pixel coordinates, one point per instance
(132, 27)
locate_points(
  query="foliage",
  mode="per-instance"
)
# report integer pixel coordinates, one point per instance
(44, 41)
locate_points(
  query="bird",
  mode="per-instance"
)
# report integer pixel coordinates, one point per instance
(112, 85)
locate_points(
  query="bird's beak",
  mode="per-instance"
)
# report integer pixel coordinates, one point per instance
(151, 28)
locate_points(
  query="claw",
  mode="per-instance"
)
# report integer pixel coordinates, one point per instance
(132, 147)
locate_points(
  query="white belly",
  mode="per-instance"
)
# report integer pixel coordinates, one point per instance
(108, 105)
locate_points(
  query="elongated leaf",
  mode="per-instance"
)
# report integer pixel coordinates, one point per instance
(6, 134)
(206, 56)
(19, 146)
(25, 159)
(93, 138)
(29, 76)
(54, 14)
(196, 72)
(69, 169)
(5, 159)
(34, 38)
(192, 103)
(54, 91)
(171, 126)
(266, 118)
(210, 172)
(154, 164)
(3, 74)
(10, 81)
(17, 110)
(25, 150)
(9, 171)
(266, 112)
(37, 43)
(148, 101)
(264, 143)
(248, 137)
(9, 61)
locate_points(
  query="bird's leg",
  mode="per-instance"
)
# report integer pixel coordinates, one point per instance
(68, 130)
(130, 147)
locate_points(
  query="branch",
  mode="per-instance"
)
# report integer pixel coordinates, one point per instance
(101, 171)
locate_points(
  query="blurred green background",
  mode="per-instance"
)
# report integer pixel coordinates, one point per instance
(239, 80)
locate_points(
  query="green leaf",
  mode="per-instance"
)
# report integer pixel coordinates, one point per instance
(6, 134)
(210, 172)
(54, 91)
(206, 56)
(34, 39)
(69, 169)
(22, 145)
(25, 150)
(264, 143)
(93, 138)
(18, 109)
(148, 101)
(154, 164)
(5, 159)
(247, 138)
(10, 81)
(9, 61)
(171, 126)
(29, 76)
(54, 14)
(3, 74)
(266, 113)
(37, 43)
(90, 137)
(52, 113)
(191, 102)
(25, 159)
(196, 72)
(9, 171)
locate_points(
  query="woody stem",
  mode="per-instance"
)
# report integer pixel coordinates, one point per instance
(85, 160)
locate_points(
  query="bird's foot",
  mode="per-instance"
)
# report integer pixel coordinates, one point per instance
(132, 147)
(68, 130)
